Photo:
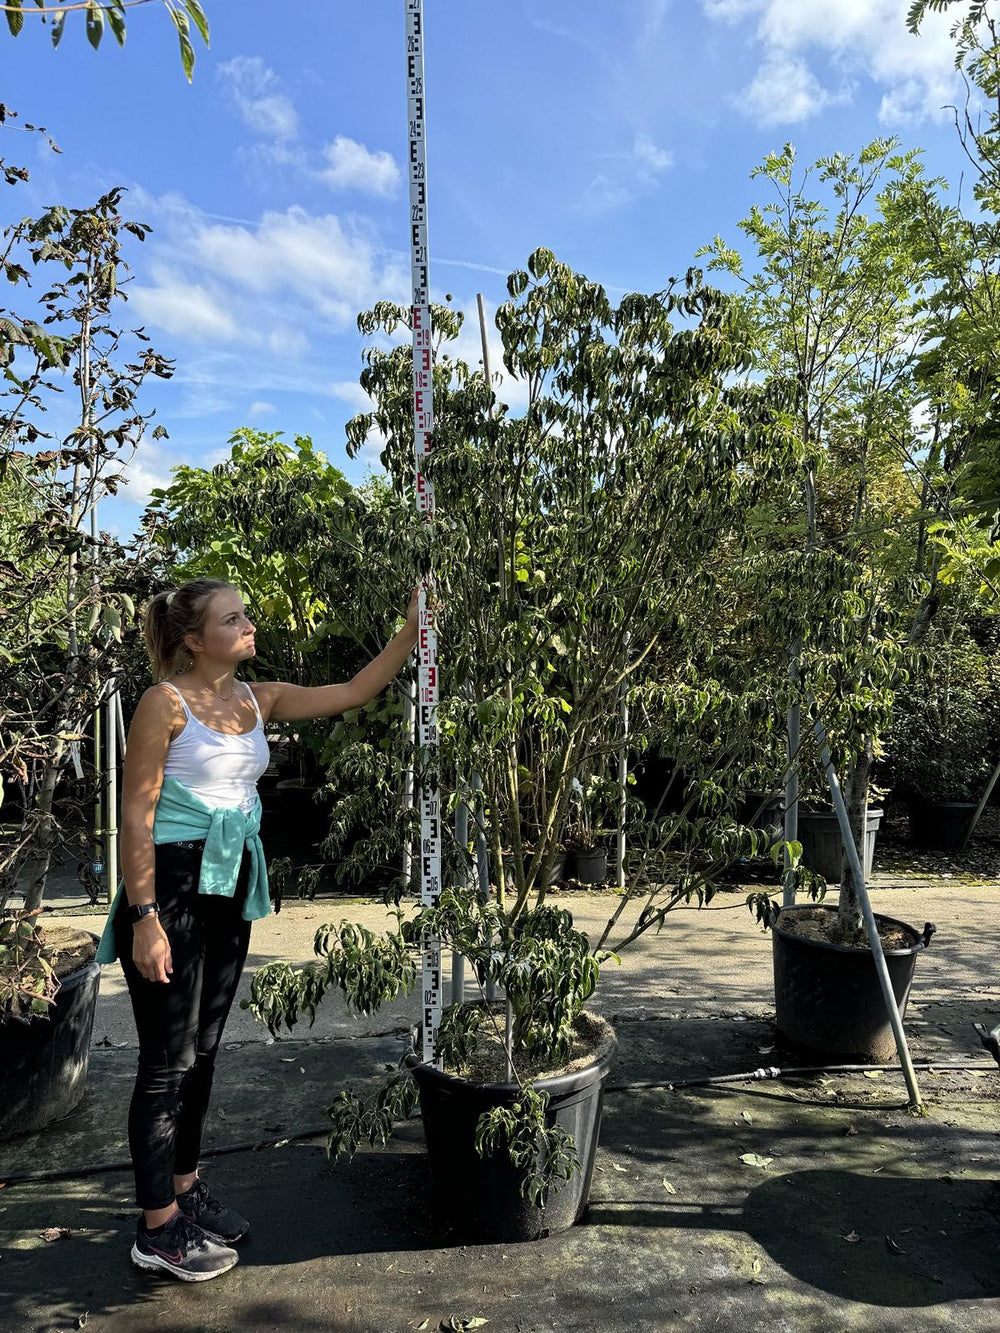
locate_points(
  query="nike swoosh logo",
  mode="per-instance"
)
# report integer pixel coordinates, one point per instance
(174, 1258)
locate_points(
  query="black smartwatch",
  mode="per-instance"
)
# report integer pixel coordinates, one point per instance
(136, 911)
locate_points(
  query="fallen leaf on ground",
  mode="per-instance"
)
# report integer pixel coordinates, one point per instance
(55, 1233)
(755, 1159)
(852, 1237)
(892, 1247)
(457, 1325)
(616, 1167)
(873, 1073)
(81, 1320)
(287, 1059)
(747, 1117)
(668, 1187)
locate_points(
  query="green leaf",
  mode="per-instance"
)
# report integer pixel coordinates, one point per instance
(95, 25)
(184, 37)
(15, 19)
(116, 21)
(198, 18)
(57, 27)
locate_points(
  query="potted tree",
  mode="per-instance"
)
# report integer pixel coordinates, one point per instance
(943, 744)
(597, 535)
(67, 595)
(836, 299)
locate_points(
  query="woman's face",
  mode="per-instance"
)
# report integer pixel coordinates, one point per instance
(227, 636)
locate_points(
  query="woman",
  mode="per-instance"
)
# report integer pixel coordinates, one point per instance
(193, 880)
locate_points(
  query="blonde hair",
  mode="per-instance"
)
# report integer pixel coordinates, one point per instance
(172, 615)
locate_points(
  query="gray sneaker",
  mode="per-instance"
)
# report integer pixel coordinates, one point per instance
(217, 1220)
(183, 1250)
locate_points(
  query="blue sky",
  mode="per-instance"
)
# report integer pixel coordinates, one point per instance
(619, 133)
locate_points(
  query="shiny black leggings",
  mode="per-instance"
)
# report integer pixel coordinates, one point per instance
(180, 1024)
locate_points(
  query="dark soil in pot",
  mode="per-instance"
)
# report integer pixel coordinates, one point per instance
(827, 996)
(479, 1198)
(44, 1059)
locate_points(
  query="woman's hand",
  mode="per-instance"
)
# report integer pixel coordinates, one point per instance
(151, 949)
(413, 612)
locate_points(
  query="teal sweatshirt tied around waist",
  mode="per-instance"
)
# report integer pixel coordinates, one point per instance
(181, 816)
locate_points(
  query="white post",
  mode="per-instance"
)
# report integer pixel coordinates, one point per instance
(791, 828)
(871, 927)
(423, 427)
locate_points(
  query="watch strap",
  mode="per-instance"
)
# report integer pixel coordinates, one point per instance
(136, 911)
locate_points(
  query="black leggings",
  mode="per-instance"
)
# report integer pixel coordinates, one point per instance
(180, 1023)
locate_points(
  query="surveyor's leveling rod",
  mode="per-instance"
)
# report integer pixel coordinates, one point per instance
(423, 425)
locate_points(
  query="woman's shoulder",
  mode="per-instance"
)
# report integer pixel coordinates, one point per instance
(266, 693)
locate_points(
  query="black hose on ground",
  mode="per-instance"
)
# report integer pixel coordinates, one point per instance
(637, 1085)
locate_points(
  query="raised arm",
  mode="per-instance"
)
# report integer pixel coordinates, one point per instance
(282, 702)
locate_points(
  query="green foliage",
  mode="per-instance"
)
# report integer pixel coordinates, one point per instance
(354, 1120)
(183, 13)
(946, 723)
(28, 982)
(544, 1153)
(369, 970)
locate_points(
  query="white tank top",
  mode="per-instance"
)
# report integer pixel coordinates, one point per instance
(221, 770)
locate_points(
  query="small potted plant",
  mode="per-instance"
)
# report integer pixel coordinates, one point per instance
(587, 861)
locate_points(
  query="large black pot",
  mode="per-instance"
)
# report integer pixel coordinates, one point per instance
(941, 825)
(819, 834)
(591, 866)
(479, 1198)
(827, 997)
(43, 1061)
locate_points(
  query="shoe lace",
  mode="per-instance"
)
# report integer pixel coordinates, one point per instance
(201, 1196)
(187, 1234)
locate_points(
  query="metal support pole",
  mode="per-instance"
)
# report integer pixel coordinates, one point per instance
(622, 780)
(791, 823)
(462, 843)
(871, 928)
(483, 864)
(994, 778)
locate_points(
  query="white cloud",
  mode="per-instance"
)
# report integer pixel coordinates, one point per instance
(269, 285)
(256, 91)
(350, 166)
(147, 470)
(260, 408)
(812, 52)
(784, 91)
(185, 308)
(649, 156)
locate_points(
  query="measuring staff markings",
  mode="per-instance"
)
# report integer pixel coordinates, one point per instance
(423, 426)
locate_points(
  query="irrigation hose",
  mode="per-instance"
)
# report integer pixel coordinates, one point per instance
(636, 1085)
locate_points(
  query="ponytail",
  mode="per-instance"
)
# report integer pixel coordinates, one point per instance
(169, 618)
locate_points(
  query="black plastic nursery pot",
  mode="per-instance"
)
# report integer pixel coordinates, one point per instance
(43, 1060)
(827, 997)
(479, 1198)
(819, 834)
(590, 867)
(941, 825)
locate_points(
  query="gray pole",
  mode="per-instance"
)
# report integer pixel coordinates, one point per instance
(871, 928)
(791, 828)
(622, 780)
(462, 842)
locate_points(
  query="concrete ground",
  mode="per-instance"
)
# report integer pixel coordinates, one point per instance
(855, 1215)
